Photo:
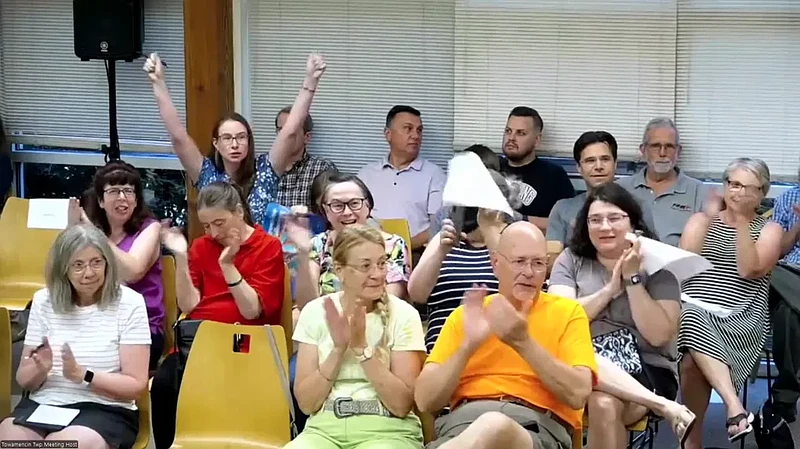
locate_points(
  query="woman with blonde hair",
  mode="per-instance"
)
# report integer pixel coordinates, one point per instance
(360, 354)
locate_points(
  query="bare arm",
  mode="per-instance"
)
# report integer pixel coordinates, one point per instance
(755, 259)
(144, 252)
(694, 233)
(313, 382)
(188, 296)
(571, 385)
(306, 280)
(395, 387)
(189, 155)
(656, 320)
(284, 151)
(244, 295)
(131, 381)
(436, 383)
(593, 304)
(31, 374)
(426, 273)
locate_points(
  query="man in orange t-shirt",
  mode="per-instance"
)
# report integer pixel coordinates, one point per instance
(515, 368)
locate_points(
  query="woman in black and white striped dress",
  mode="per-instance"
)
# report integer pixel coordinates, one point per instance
(717, 352)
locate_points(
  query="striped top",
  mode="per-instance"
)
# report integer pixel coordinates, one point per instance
(722, 285)
(94, 335)
(462, 267)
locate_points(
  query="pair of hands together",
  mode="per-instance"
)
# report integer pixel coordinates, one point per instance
(346, 331)
(498, 317)
(628, 264)
(172, 238)
(740, 212)
(71, 369)
(489, 221)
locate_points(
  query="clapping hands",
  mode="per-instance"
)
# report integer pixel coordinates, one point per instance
(498, 317)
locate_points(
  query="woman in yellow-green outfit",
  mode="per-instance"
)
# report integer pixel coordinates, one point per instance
(360, 353)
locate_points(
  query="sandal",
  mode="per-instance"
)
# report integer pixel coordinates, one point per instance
(680, 425)
(734, 421)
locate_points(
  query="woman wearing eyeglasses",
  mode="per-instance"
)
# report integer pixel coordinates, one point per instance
(346, 201)
(634, 317)
(232, 157)
(116, 205)
(743, 247)
(360, 353)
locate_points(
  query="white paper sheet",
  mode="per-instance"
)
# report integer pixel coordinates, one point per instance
(54, 416)
(47, 213)
(681, 263)
(469, 184)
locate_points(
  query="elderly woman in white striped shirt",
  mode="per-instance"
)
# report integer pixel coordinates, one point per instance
(86, 349)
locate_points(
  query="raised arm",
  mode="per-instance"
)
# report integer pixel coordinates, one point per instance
(694, 233)
(756, 258)
(308, 270)
(190, 156)
(426, 273)
(283, 152)
(37, 356)
(144, 252)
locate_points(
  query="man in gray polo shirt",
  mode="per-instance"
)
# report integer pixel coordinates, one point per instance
(673, 195)
(595, 154)
(403, 184)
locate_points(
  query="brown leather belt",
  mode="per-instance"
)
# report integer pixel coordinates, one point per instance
(521, 402)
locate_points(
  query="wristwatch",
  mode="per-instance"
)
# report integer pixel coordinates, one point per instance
(364, 356)
(88, 376)
(634, 280)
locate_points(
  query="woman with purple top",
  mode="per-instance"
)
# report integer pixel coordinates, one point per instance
(115, 204)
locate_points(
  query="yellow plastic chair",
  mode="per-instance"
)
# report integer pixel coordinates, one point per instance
(170, 302)
(286, 310)
(23, 253)
(143, 437)
(554, 248)
(398, 226)
(5, 362)
(233, 400)
(643, 425)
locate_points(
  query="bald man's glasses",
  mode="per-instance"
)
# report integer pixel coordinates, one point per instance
(520, 263)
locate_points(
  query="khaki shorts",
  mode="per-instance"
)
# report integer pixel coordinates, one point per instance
(545, 432)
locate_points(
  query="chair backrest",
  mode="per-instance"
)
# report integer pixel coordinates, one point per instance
(286, 309)
(398, 226)
(5, 363)
(23, 253)
(143, 437)
(170, 301)
(226, 395)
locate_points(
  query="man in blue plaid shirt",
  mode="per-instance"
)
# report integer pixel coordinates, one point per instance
(785, 312)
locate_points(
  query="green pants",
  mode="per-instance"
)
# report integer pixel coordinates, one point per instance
(326, 431)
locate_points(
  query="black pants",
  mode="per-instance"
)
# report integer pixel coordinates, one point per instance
(164, 401)
(785, 314)
(156, 348)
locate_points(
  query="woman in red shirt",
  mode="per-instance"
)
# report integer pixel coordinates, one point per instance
(232, 274)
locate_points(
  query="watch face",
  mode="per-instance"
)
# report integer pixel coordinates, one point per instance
(636, 279)
(367, 352)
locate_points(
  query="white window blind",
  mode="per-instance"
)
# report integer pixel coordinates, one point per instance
(584, 65)
(52, 98)
(380, 53)
(738, 83)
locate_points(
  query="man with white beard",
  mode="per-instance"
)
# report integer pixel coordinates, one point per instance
(673, 195)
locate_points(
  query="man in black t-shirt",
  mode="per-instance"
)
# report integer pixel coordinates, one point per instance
(542, 183)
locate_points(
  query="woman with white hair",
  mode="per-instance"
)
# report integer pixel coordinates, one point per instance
(86, 349)
(717, 351)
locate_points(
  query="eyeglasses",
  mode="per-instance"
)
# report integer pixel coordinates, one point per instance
(366, 267)
(736, 186)
(227, 139)
(129, 192)
(520, 263)
(95, 264)
(659, 146)
(337, 207)
(615, 220)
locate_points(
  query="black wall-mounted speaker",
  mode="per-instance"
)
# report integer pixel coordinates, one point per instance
(108, 29)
